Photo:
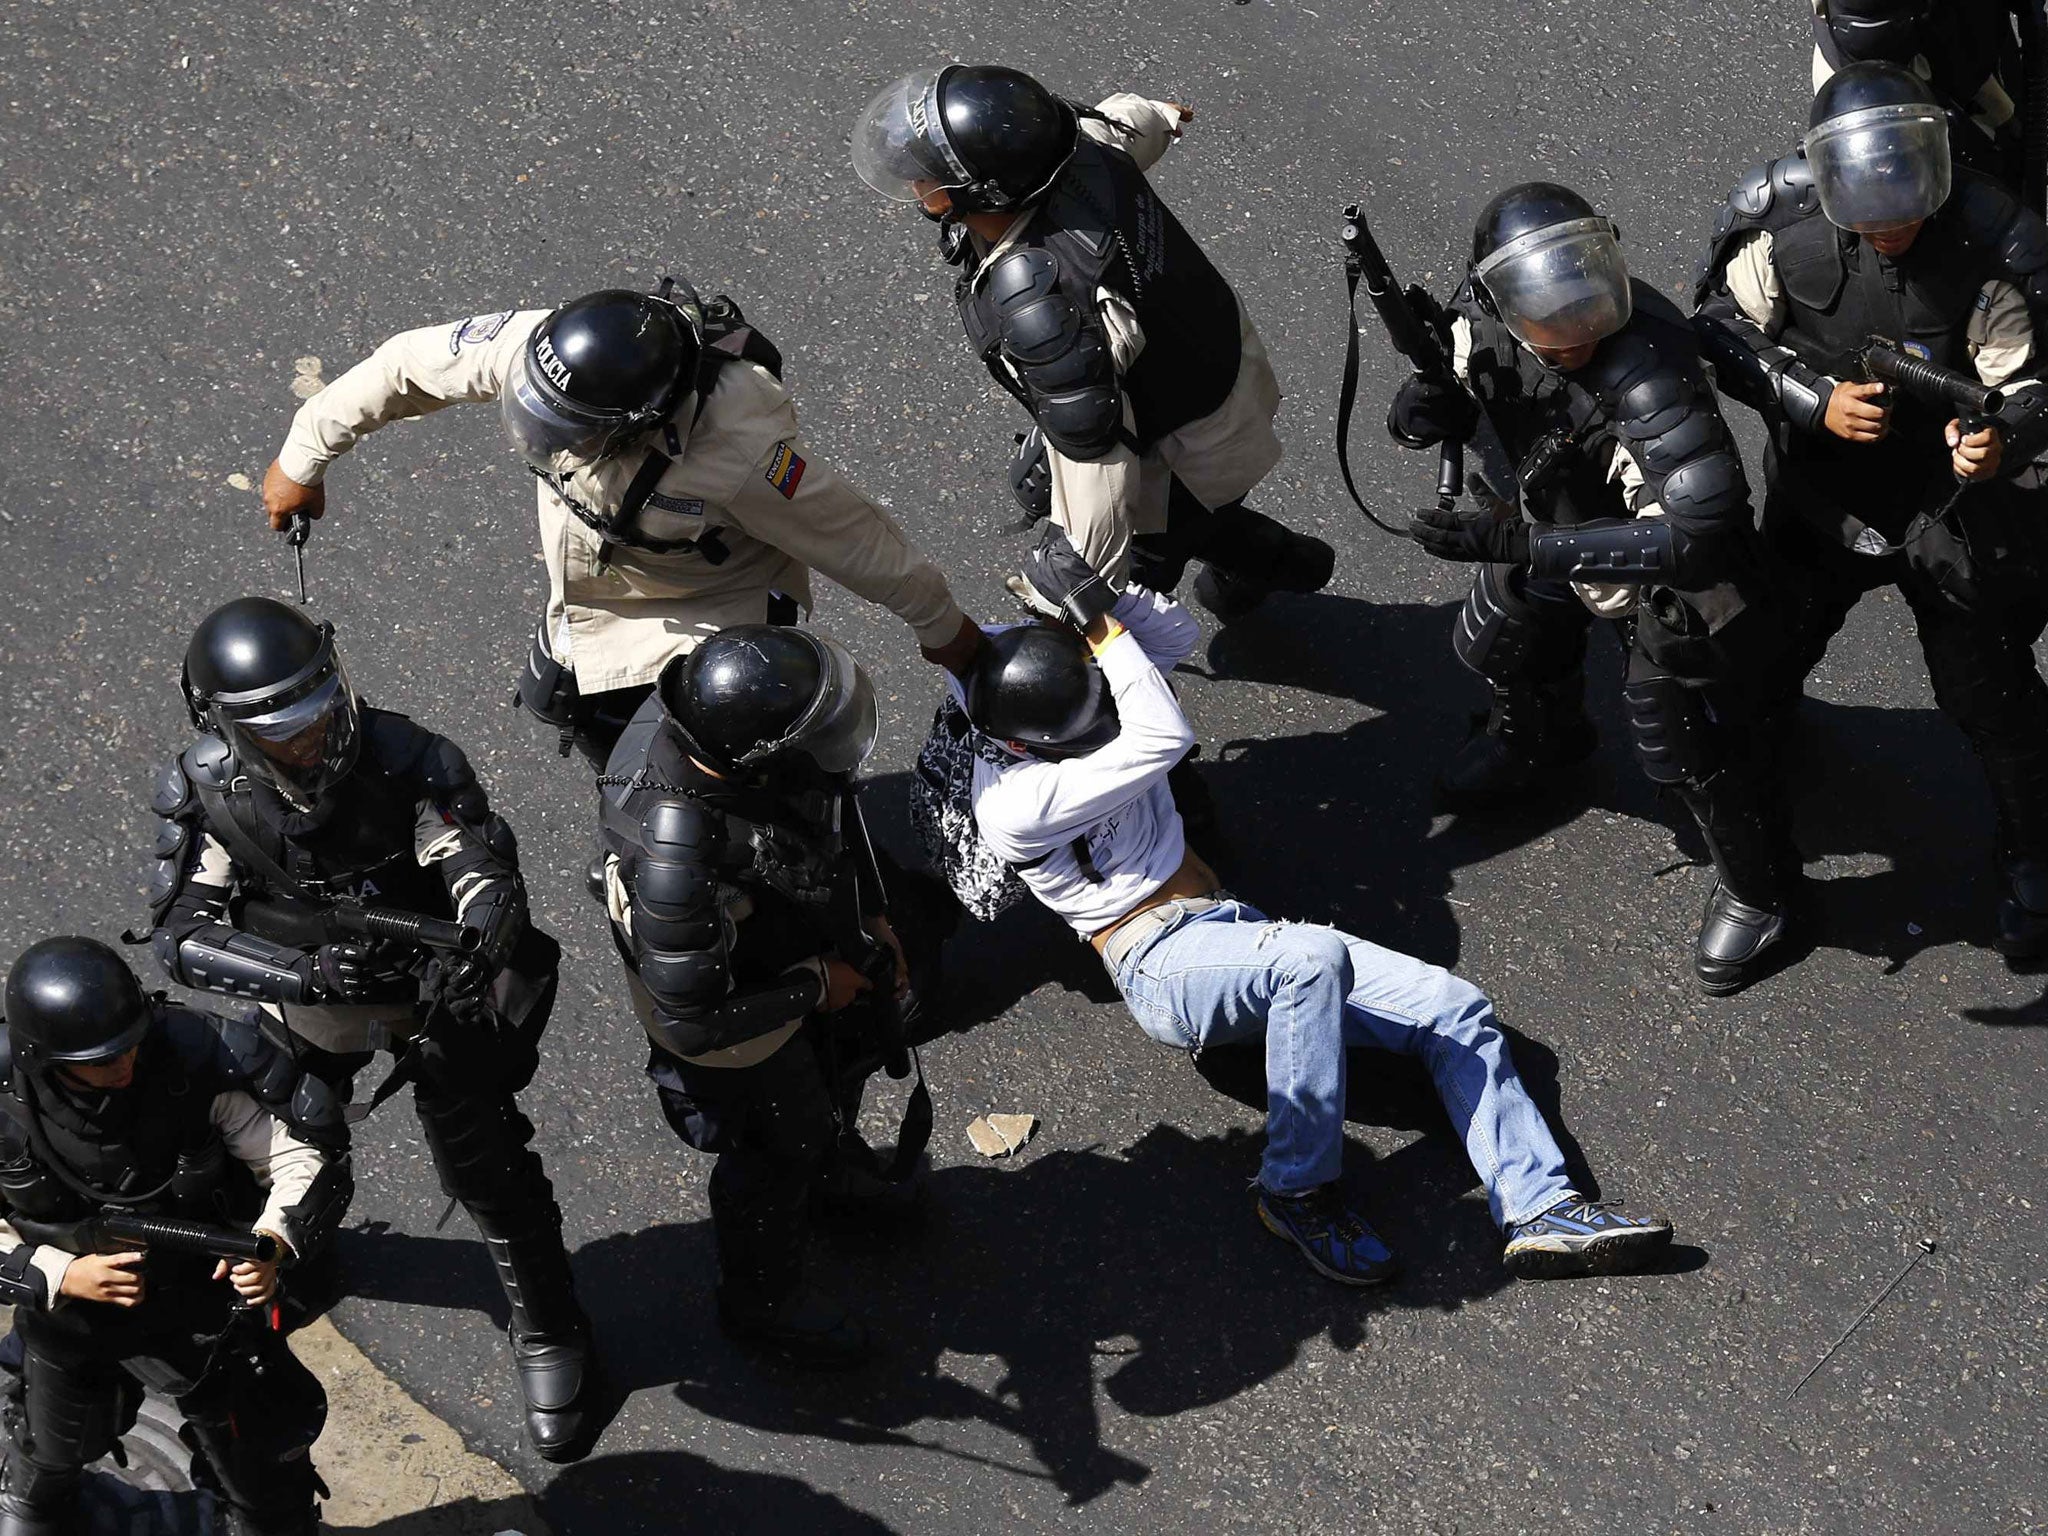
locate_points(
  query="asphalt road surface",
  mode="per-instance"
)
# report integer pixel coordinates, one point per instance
(200, 205)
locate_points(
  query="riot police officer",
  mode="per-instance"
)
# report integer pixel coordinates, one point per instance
(113, 1103)
(1872, 232)
(301, 811)
(676, 496)
(1971, 58)
(1639, 511)
(1090, 304)
(749, 907)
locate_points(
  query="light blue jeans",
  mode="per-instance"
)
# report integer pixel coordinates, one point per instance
(1232, 974)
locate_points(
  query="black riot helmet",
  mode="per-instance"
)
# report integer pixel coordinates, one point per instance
(1878, 145)
(993, 138)
(1034, 684)
(599, 372)
(74, 1000)
(1885, 30)
(267, 680)
(758, 696)
(1550, 267)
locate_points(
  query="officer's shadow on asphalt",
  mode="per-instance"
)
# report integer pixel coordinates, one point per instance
(1029, 1290)
(1859, 777)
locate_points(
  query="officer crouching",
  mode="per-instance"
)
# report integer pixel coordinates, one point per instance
(116, 1108)
(748, 904)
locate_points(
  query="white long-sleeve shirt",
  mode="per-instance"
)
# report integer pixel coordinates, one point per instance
(283, 1166)
(1094, 836)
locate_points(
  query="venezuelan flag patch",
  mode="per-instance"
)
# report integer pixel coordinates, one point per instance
(785, 470)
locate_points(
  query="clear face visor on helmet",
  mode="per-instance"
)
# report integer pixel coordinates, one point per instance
(553, 432)
(1882, 168)
(838, 731)
(900, 146)
(301, 739)
(1561, 287)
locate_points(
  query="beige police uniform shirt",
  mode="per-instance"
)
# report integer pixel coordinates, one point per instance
(616, 616)
(1102, 503)
(283, 1166)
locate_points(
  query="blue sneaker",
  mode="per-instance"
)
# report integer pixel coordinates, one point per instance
(1333, 1238)
(1577, 1236)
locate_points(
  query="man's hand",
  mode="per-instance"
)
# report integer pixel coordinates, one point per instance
(957, 654)
(1187, 115)
(1857, 413)
(1060, 575)
(112, 1278)
(842, 985)
(1977, 456)
(284, 498)
(881, 928)
(1490, 531)
(254, 1281)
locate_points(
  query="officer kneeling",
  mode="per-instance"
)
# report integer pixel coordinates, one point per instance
(118, 1107)
(1071, 791)
(748, 904)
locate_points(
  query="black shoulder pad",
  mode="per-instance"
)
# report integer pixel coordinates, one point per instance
(6, 1060)
(450, 781)
(208, 762)
(1769, 197)
(171, 792)
(234, 1053)
(682, 830)
(1060, 354)
(1993, 219)
(1023, 285)
(395, 742)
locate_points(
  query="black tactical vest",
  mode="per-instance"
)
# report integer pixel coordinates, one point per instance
(154, 1146)
(1107, 228)
(359, 842)
(1536, 413)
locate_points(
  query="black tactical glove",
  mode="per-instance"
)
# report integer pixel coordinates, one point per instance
(351, 972)
(1490, 531)
(1061, 576)
(455, 979)
(1426, 411)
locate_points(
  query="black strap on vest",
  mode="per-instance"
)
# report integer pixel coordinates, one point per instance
(224, 824)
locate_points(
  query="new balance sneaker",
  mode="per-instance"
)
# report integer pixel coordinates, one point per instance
(1333, 1238)
(1583, 1237)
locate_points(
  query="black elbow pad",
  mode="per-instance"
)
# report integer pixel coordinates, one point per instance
(1708, 494)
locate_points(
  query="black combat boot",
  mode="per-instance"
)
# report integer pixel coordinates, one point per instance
(1745, 913)
(1247, 556)
(2019, 789)
(550, 1335)
(805, 1326)
(1532, 730)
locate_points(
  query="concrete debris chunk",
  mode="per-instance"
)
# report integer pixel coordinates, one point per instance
(1000, 1135)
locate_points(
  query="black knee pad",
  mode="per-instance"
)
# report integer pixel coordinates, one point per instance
(1505, 637)
(479, 1146)
(1985, 679)
(1673, 737)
